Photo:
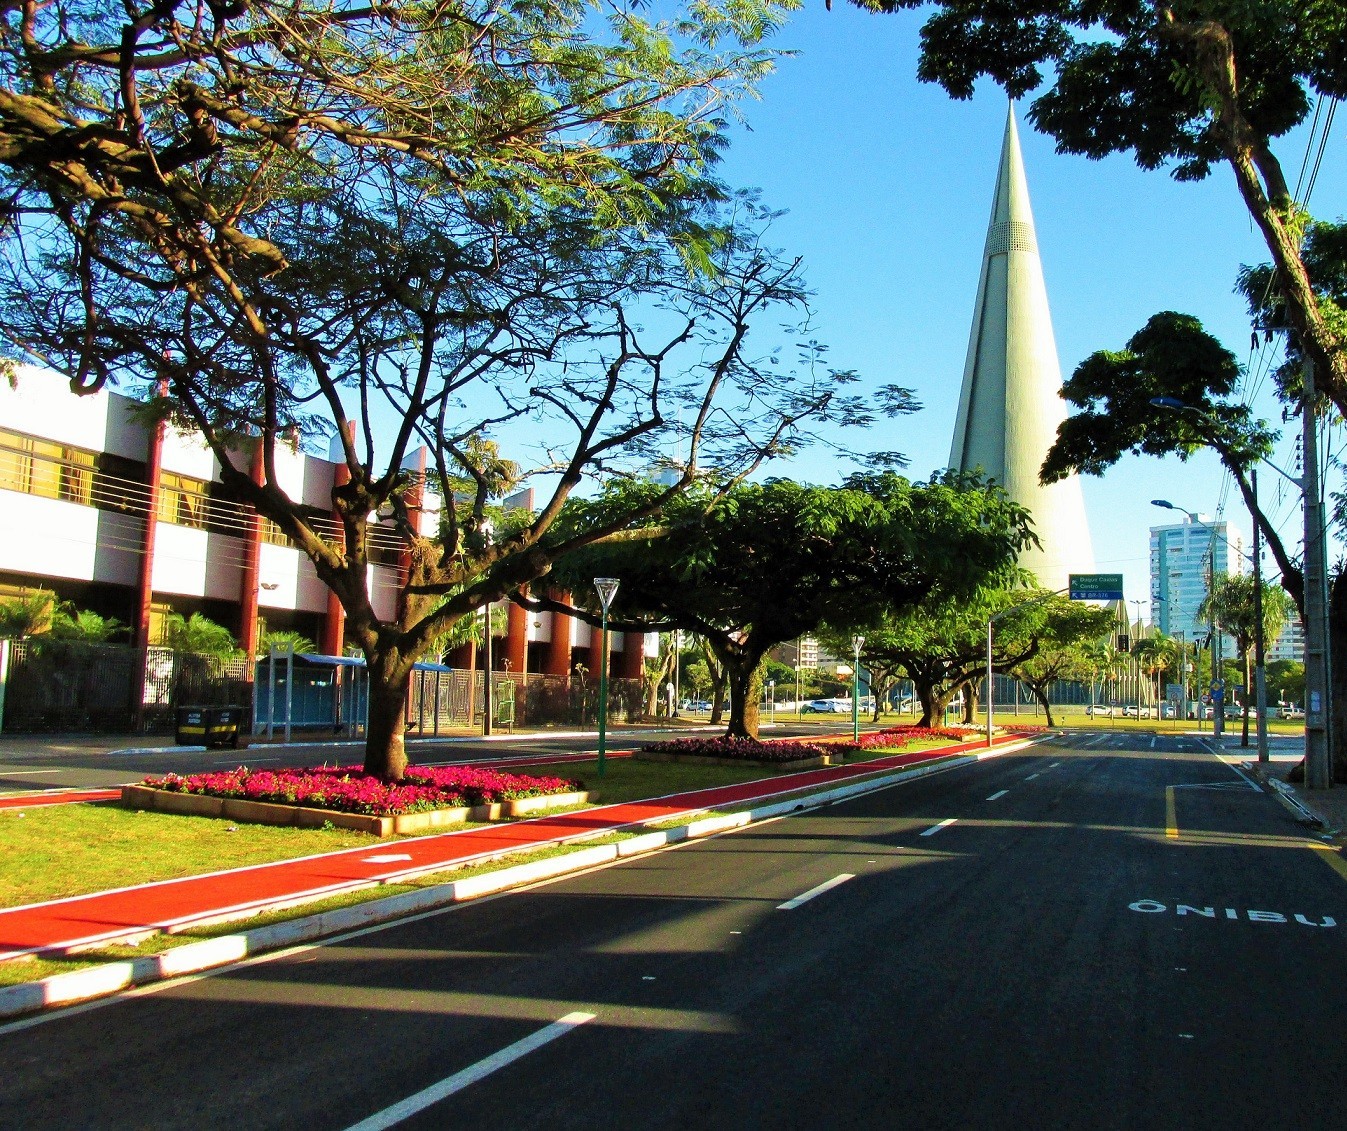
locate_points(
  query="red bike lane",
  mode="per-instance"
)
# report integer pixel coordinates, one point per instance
(83, 921)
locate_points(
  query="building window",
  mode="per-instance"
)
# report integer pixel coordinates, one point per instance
(182, 500)
(45, 467)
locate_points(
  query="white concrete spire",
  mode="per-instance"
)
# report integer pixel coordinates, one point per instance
(1010, 407)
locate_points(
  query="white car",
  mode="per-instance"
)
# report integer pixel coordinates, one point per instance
(1291, 713)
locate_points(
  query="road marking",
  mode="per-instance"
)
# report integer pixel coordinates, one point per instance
(1031, 777)
(1054, 765)
(1171, 821)
(385, 858)
(25, 773)
(1155, 907)
(943, 825)
(1331, 856)
(390, 1116)
(828, 885)
(998, 796)
(1154, 740)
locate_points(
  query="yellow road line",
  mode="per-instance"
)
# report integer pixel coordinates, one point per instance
(1330, 855)
(1171, 821)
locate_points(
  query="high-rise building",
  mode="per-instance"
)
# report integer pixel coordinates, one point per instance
(1184, 557)
(1290, 642)
(1010, 404)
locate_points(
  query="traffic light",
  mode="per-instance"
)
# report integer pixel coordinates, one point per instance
(1124, 642)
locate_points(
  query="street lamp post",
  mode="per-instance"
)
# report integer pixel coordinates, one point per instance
(607, 589)
(857, 642)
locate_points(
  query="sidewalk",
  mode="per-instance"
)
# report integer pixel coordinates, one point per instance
(83, 921)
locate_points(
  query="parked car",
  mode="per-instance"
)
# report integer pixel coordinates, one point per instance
(1292, 712)
(1100, 709)
(827, 707)
(695, 705)
(1130, 712)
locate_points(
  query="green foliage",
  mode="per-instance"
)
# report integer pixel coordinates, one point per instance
(84, 625)
(1120, 75)
(1231, 604)
(283, 640)
(199, 635)
(1171, 357)
(27, 615)
(771, 561)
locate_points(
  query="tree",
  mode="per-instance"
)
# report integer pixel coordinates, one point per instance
(27, 615)
(198, 635)
(769, 562)
(941, 644)
(285, 639)
(1174, 357)
(84, 625)
(1186, 84)
(290, 233)
(1062, 629)
(1230, 603)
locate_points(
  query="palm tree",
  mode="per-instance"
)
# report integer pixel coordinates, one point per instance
(27, 615)
(1230, 604)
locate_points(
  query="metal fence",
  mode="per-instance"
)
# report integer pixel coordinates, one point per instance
(444, 699)
(68, 685)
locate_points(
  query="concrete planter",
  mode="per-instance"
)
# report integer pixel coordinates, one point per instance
(811, 763)
(276, 813)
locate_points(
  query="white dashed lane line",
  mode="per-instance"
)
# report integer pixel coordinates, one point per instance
(936, 828)
(827, 885)
(998, 796)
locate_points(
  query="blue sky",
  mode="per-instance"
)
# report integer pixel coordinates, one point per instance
(888, 184)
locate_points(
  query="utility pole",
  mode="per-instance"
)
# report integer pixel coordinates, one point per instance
(1214, 643)
(1318, 752)
(1259, 644)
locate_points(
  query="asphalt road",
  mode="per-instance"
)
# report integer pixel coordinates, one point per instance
(29, 763)
(1102, 931)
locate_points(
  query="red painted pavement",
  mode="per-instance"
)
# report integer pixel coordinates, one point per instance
(56, 797)
(83, 920)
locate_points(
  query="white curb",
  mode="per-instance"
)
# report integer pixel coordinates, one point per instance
(99, 981)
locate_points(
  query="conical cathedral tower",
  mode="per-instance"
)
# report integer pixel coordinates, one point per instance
(1010, 407)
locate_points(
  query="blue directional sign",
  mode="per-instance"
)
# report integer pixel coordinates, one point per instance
(1096, 587)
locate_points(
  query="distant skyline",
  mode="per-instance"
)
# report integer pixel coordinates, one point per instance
(887, 184)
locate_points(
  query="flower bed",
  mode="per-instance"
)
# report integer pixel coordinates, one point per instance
(893, 738)
(347, 789)
(739, 750)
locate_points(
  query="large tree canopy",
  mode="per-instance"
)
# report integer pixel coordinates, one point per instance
(771, 561)
(403, 225)
(1185, 84)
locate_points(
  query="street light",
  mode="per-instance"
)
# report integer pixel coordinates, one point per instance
(607, 588)
(857, 642)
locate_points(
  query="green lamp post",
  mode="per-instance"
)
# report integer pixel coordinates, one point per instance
(857, 643)
(607, 587)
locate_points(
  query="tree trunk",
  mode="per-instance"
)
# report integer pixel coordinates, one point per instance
(717, 670)
(933, 704)
(743, 673)
(385, 751)
(1041, 694)
(970, 702)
